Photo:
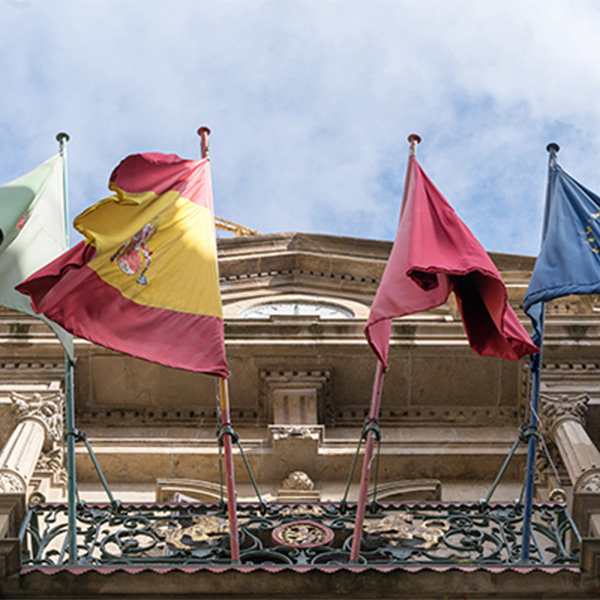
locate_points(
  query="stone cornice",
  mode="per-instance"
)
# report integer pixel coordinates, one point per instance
(316, 263)
(339, 245)
(352, 416)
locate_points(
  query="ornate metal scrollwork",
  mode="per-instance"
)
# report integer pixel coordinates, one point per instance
(398, 527)
(205, 528)
(302, 534)
(299, 534)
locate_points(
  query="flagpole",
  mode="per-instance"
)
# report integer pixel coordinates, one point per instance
(367, 460)
(371, 434)
(226, 429)
(226, 434)
(536, 370)
(62, 138)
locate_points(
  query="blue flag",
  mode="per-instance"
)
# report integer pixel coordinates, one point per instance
(569, 260)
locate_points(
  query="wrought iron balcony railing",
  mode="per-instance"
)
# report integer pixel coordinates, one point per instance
(295, 535)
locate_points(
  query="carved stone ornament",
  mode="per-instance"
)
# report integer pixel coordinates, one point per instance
(53, 461)
(298, 480)
(556, 409)
(11, 483)
(297, 432)
(46, 409)
(544, 461)
(588, 482)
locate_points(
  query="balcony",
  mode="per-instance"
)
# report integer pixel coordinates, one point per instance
(189, 536)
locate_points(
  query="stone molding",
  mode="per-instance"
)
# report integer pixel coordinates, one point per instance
(557, 409)
(187, 490)
(312, 277)
(354, 416)
(27, 365)
(407, 490)
(121, 416)
(345, 416)
(569, 367)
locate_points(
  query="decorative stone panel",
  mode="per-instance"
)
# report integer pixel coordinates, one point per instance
(294, 397)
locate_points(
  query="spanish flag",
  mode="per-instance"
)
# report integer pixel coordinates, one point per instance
(145, 280)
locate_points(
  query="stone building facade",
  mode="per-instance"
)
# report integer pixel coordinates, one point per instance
(301, 375)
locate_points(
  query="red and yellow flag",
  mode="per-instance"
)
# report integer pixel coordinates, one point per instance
(145, 280)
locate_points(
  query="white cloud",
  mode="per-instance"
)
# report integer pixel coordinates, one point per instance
(311, 102)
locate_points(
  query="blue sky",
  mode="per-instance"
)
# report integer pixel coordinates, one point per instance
(311, 102)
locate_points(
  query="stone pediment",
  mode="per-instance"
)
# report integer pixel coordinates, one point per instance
(301, 263)
(329, 265)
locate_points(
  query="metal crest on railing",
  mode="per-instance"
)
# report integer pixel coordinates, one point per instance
(394, 534)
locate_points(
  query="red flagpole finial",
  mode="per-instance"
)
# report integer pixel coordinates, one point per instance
(414, 139)
(204, 132)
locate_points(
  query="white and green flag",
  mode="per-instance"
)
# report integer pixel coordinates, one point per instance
(32, 233)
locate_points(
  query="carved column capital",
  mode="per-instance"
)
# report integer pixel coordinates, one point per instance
(557, 409)
(44, 409)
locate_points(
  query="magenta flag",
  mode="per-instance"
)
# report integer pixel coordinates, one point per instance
(434, 254)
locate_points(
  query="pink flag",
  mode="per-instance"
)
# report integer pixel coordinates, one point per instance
(434, 254)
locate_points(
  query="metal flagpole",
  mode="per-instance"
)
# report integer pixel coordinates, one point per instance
(70, 433)
(226, 432)
(371, 434)
(367, 460)
(536, 370)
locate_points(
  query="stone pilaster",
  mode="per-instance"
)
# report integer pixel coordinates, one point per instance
(39, 423)
(564, 418)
